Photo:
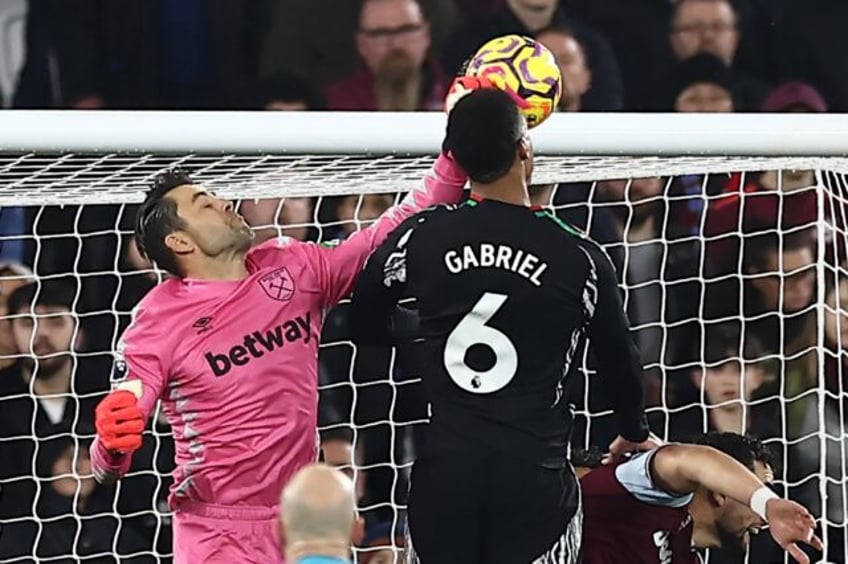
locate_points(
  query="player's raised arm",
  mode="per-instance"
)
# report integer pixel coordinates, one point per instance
(138, 380)
(683, 468)
(338, 266)
(616, 351)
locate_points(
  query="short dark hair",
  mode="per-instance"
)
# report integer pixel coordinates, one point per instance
(52, 292)
(723, 341)
(287, 86)
(758, 248)
(586, 457)
(483, 131)
(744, 448)
(678, 6)
(157, 218)
(701, 68)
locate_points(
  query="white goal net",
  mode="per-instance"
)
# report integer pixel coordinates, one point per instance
(730, 237)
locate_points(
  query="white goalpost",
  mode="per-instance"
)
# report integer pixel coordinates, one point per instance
(729, 232)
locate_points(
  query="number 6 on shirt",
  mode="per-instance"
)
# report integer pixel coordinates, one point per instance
(472, 330)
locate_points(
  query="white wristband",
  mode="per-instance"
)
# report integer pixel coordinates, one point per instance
(759, 500)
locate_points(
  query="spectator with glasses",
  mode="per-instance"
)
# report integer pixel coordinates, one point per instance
(397, 73)
(712, 26)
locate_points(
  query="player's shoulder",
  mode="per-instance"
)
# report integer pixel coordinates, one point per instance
(172, 299)
(423, 220)
(274, 245)
(574, 235)
(598, 255)
(270, 252)
(159, 298)
(436, 212)
(635, 476)
(558, 225)
(161, 303)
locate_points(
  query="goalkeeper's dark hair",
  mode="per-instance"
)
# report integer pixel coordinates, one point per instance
(484, 128)
(744, 448)
(157, 218)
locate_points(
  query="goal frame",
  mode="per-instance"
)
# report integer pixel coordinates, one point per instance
(587, 141)
(371, 133)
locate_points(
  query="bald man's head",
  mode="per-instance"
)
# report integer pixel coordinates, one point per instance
(317, 506)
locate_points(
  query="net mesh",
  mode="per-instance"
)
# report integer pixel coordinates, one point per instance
(732, 271)
(57, 179)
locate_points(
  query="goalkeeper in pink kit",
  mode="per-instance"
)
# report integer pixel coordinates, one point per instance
(230, 346)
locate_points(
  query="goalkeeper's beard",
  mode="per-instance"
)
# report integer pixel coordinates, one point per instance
(230, 246)
(397, 82)
(244, 239)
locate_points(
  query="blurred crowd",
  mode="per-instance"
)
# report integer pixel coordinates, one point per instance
(633, 55)
(733, 282)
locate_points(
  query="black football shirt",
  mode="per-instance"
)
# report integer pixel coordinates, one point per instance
(505, 297)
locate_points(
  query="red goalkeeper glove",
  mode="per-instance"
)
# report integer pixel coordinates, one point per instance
(119, 422)
(463, 85)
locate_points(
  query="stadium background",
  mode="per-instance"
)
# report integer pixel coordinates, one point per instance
(687, 297)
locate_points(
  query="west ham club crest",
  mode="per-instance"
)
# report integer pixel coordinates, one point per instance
(278, 284)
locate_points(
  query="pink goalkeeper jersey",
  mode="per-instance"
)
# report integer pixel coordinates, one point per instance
(235, 363)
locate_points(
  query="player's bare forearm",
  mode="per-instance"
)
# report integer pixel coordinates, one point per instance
(683, 468)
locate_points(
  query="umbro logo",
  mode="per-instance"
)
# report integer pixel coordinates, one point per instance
(202, 325)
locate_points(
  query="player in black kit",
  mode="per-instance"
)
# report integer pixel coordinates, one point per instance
(506, 294)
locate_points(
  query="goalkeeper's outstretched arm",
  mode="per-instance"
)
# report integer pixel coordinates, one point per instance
(338, 266)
